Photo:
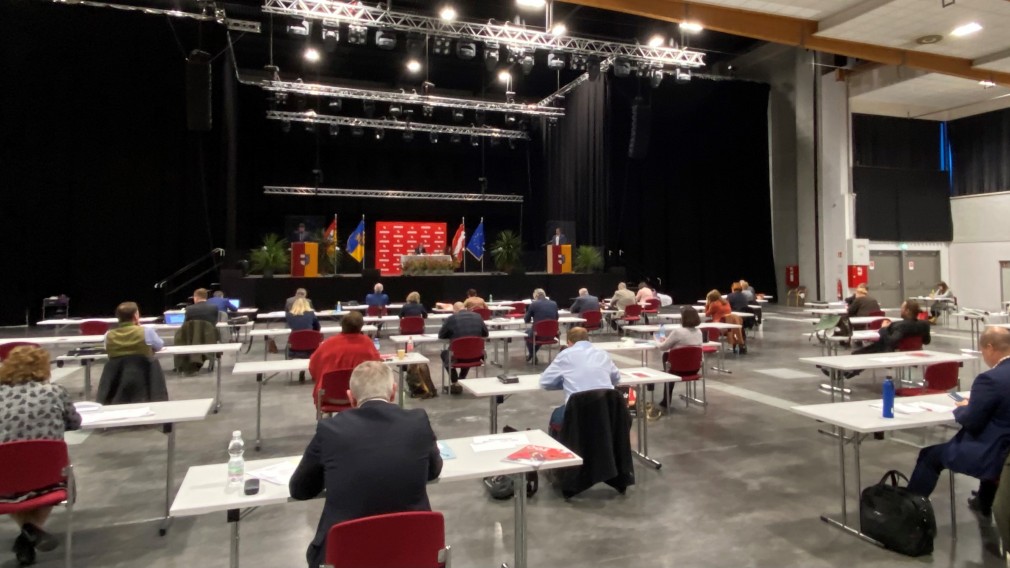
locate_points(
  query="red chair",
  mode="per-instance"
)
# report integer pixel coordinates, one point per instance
(877, 313)
(375, 311)
(412, 325)
(337, 383)
(910, 343)
(651, 307)
(545, 332)
(687, 363)
(632, 314)
(938, 378)
(94, 327)
(6, 348)
(40, 463)
(484, 313)
(301, 345)
(466, 352)
(397, 540)
(518, 310)
(594, 320)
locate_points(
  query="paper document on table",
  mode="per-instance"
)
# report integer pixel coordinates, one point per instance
(446, 452)
(934, 407)
(499, 442)
(893, 359)
(113, 415)
(278, 474)
(900, 407)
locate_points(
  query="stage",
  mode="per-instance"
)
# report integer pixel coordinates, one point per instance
(269, 294)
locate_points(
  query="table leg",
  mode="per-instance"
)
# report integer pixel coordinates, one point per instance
(169, 430)
(953, 509)
(217, 391)
(259, 407)
(266, 346)
(403, 370)
(844, 523)
(87, 378)
(505, 349)
(494, 414)
(234, 516)
(643, 429)
(519, 498)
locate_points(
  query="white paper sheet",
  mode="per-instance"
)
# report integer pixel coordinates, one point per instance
(934, 407)
(499, 442)
(900, 407)
(278, 474)
(114, 415)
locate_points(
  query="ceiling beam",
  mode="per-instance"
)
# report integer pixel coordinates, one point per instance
(851, 13)
(992, 57)
(792, 31)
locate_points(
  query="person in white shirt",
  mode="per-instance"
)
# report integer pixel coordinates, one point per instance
(580, 367)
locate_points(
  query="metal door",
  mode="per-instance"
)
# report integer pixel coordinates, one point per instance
(885, 277)
(1004, 273)
(920, 272)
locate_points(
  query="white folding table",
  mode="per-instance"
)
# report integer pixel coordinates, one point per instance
(898, 359)
(274, 332)
(204, 489)
(59, 324)
(504, 336)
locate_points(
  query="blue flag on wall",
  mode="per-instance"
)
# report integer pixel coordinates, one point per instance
(476, 244)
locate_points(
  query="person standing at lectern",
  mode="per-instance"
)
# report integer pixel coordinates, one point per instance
(559, 238)
(301, 235)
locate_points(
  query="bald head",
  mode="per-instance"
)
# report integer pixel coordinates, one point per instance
(583, 291)
(995, 344)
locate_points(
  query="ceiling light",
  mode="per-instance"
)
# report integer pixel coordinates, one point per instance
(491, 56)
(335, 105)
(576, 62)
(311, 54)
(447, 14)
(433, 137)
(300, 28)
(395, 110)
(987, 84)
(385, 40)
(474, 142)
(691, 27)
(380, 133)
(531, 3)
(413, 66)
(457, 115)
(443, 46)
(656, 41)
(504, 76)
(559, 30)
(966, 29)
(466, 50)
(682, 75)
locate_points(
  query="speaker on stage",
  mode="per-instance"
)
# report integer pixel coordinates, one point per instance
(198, 100)
(641, 125)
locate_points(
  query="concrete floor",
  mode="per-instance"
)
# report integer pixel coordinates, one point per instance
(742, 484)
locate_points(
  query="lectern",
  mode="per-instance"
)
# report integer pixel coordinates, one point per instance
(559, 259)
(304, 259)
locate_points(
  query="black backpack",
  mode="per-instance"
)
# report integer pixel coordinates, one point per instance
(897, 518)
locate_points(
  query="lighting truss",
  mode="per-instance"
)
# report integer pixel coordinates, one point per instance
(506, 34)
(390, 194)
(409, 98)
(549, 99)
(216, 15)
(312, 117)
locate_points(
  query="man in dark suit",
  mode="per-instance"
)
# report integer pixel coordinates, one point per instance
(201, 309)
(372, 460)
(539, 309)
(462, 323)
(982, 444)
(585, 302)
(420, 249)
(301, 235)
(558, 238)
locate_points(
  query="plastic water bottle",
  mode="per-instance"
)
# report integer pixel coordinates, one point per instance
(410, 344)
(490, 297)
(236, 464)
(888, 398)
(339, 309)
(662, 331)
(375, 342)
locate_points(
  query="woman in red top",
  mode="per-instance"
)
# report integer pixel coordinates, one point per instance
(715, 307)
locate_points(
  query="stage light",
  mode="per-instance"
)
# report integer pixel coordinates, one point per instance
(527, 64)
(575, 62)
(369, 107)
(408, 135)
(456, 139)
(682, 75)
(427, 111)
(555, 61)
(357, 35)
(442, 46)
(466, 50)
(491, 56)
(691, 27)
(311, 54)
(656, 41)
(334, 129)
(380, 133)
(457, 115)
(966, 29)
(300, 28)
(622, 67)
(336, 105)
(504, 77)
(395, 110)
(474, 142)
(552, 121)
(385, 40)
(433, 138)
(510, 119)
(413, 66)
(357, 131)
(531, 3)
(559, 30)
(510, 96)
(656, 77)
(331, 36)
(448, 14)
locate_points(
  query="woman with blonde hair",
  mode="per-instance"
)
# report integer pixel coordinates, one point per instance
(720, 311)
(301, 316)
(413, 307)
(32, 409)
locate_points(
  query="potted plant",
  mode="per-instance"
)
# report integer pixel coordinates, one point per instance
(271, 257)
(587, 259)
(507, 251)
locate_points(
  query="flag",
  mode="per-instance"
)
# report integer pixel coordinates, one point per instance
(459, 242)
(476, 244)
(331, 232)
(356, 242)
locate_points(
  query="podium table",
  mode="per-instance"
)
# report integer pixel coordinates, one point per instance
(559, 259)
(305, 259)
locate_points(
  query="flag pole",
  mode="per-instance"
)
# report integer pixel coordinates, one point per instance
(364, 248)
(462, 221)
(483, 240)
(335, 242)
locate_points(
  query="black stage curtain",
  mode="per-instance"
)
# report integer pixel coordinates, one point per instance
(889, 142)
(902, 205)
(695, 213)
(980, 146)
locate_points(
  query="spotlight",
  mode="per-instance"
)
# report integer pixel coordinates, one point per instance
(593, 67)
(682, 75)
(413, 66)
(336, 105)
(385, 40)
(331, 36)
(531, 3)
(334, 129)
(504, 76)
(656, 77)
(552, 121)
(448, 14)
(656, 41)
(427, 87)
(357, 131)
(622, 67)
(457, 115)
(357, 35)
(427, 111)
(466, 50)
(433, 138)
(311, 54)
(559, 30)
(443, 46)
(555, 61)
(527, 64)
(575, 62)
(285, 126)
(380, 133)
(456, 139)
(691, 27)
(369, 107)
(510, 119)
(300, 28)
(491, 56)
(408, 135)
(395, 110)
(474, 142)
(510, 97)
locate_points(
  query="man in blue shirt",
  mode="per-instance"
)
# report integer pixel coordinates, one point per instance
(580, 367)
(221, 302)
(377, 298)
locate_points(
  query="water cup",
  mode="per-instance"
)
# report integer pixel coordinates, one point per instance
(401, 353)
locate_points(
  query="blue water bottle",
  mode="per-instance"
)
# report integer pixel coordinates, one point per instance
(888, 398)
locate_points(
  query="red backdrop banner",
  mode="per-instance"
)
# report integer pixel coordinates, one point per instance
(394, 238)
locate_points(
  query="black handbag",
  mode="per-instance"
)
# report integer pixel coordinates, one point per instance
(897, 518)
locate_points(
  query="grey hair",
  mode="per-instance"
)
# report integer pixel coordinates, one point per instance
(622, 286)
(539, 293)
(378, 287)
(301, 293)
(372, 380)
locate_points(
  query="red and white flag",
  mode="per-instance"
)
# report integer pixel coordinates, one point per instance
(459, 242)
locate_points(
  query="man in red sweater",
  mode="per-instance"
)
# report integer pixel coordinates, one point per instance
(346, 350)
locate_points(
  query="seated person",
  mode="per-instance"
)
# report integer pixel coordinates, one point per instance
(346, 350)
(420, 249)
(462, 323)
(221, 303)
(301, 316)
(622, 299)
(413, 306)
(299, 293)
(942, 291)
(644, 293)
(892, 332)
(131, 338)
(473, 301)
(981, 445)
(377, 297)
(721, 312)
(32, 409)
(738, 301)
(201, 310)
(862, 303)
(586, 302)
(540, 309)
(371, 460)
(687, 335)
(748, 291)
(579, 367)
